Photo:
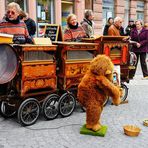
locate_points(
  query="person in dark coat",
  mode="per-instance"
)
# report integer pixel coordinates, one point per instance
(30, 23)
(122, 31)
(130, 26)
(140, 35)
(110, 21)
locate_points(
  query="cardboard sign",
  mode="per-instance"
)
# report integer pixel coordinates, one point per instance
(53, 31)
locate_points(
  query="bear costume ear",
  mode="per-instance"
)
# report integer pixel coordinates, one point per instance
(108, 72)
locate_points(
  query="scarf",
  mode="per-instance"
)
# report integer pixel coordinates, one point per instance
(88, 22)
(73, 27)
(17, 21)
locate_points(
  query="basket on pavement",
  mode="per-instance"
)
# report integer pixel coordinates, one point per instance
(131, 130)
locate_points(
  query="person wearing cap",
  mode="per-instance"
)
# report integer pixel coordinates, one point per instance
(130, 26)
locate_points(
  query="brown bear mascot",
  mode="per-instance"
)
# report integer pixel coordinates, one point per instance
(94, 88)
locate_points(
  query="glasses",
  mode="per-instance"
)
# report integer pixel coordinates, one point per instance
(11, 12)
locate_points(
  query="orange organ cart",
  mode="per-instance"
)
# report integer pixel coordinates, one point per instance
(73, 60)
(28, 80)
(118, 51)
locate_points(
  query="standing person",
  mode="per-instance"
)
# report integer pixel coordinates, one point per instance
(88, 24)
(73, 32)
(11, 23)
(30, 23)
(140, 35)
(110, 21)
(122, 31)
(114, 29)
(130, 26)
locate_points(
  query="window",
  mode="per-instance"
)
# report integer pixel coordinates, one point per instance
(108, 10)
(89, 4)
(45, 11)
(45, 14)
(126, 13)
(67, 8)
(140, 10)
(23, 4)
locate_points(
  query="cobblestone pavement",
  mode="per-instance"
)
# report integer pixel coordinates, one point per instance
(64, 132)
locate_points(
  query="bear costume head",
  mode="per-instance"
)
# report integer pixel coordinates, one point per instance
(104, 68)
(94, 88)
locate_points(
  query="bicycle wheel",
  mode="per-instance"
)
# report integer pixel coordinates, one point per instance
(125, 92)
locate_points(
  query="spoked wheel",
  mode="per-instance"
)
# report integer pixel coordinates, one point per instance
(125, 92)
(7, 110)
(50, 107)
(28, 112)
(67, 104)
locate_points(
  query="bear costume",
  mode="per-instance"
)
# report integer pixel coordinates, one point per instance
(94, 88)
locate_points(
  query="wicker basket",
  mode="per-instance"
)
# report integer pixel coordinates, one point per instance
(131, 130)
(145, 122)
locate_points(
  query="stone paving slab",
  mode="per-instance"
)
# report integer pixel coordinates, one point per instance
(64, 132)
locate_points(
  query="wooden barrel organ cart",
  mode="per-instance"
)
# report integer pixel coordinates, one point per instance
(28, 80)
(72, 62)
(35, 77)
(118, 51)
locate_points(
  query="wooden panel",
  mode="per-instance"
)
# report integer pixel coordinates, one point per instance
(73, 74)
(36, 71)
(76, 69)
(28, 47)
(35, 84)
(38, 76)
(118, 52)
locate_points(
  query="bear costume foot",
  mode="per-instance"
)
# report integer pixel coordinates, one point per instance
(95, 127)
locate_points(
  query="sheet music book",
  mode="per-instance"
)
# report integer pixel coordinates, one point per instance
(6, 35)
(6, 38)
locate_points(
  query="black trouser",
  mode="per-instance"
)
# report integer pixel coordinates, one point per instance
(143, 62)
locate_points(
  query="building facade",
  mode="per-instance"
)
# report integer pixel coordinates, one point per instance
(56, 11)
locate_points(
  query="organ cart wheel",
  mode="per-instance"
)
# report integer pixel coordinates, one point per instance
(7, 110)
(125, 92)
(67, 104)
(28, 112)
(50, 107)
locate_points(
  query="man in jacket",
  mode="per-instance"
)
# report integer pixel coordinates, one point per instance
(87, 23)
(114, 29)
